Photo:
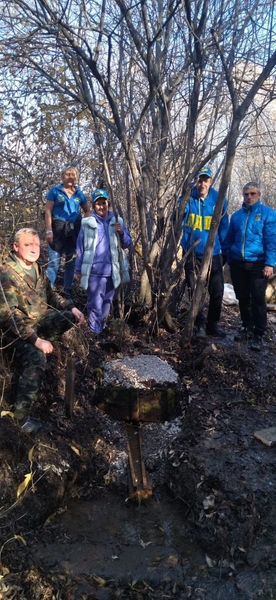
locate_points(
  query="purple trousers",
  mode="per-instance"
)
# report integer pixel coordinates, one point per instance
(100, 294)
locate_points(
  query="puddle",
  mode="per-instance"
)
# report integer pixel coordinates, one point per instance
(114, 539)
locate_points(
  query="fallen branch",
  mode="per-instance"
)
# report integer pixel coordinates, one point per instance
(199, 362)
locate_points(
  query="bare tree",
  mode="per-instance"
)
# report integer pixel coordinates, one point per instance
(169, 85)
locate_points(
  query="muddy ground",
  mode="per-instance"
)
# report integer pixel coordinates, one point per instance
(206, 466)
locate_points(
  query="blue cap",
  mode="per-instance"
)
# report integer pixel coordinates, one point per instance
(99, 194)
(204, 171)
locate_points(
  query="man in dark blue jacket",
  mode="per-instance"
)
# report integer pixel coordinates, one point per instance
(251, 250)
(196, 225)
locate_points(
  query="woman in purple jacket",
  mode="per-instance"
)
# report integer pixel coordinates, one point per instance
(100, 259)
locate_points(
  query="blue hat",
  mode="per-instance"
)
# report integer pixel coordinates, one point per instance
(99, 194)
(204, 171)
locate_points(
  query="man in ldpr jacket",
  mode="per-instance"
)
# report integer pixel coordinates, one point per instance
(251, 252)
(31, 314)
(196, 225)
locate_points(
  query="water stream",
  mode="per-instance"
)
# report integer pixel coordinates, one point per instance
(115, 539)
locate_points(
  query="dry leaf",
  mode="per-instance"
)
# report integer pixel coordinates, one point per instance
(4, 571)
(144, 544)
(19, 537)
(75, 450)
(7, 413)
(171, 560)
(30, 454)
(50, 518)
(23, 486)
(211, 563)
(99, 580)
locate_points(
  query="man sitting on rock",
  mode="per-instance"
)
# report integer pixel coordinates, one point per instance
(31, 314)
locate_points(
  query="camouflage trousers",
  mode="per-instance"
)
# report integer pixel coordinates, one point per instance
(32, 362)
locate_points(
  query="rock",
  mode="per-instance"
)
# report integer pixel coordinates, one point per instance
(141, 372)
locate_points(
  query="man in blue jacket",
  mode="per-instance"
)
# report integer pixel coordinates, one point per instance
(196, 225)
(251, 252)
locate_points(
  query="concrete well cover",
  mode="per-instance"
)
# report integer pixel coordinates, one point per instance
(139, 372)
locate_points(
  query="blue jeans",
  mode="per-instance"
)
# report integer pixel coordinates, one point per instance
(53, 267)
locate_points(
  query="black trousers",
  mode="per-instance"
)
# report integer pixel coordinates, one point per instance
(215, 287)
(250, 285)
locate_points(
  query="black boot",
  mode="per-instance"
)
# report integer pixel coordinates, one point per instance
(243, 335)
(215, 330)
(256, 343)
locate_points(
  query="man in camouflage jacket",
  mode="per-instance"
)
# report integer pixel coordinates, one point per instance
(32, 315)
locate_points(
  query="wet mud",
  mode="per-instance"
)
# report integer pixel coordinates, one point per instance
(207, 532)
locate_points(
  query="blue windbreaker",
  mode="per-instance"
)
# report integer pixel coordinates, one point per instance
(252, 235)
(197, 222)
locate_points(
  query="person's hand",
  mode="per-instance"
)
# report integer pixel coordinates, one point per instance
(119, 228)
(267, 271)
(43, 345)
(77, 276)
(78, 315)
(49, 237)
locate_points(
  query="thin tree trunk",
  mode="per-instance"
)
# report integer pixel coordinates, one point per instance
(208, 253)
